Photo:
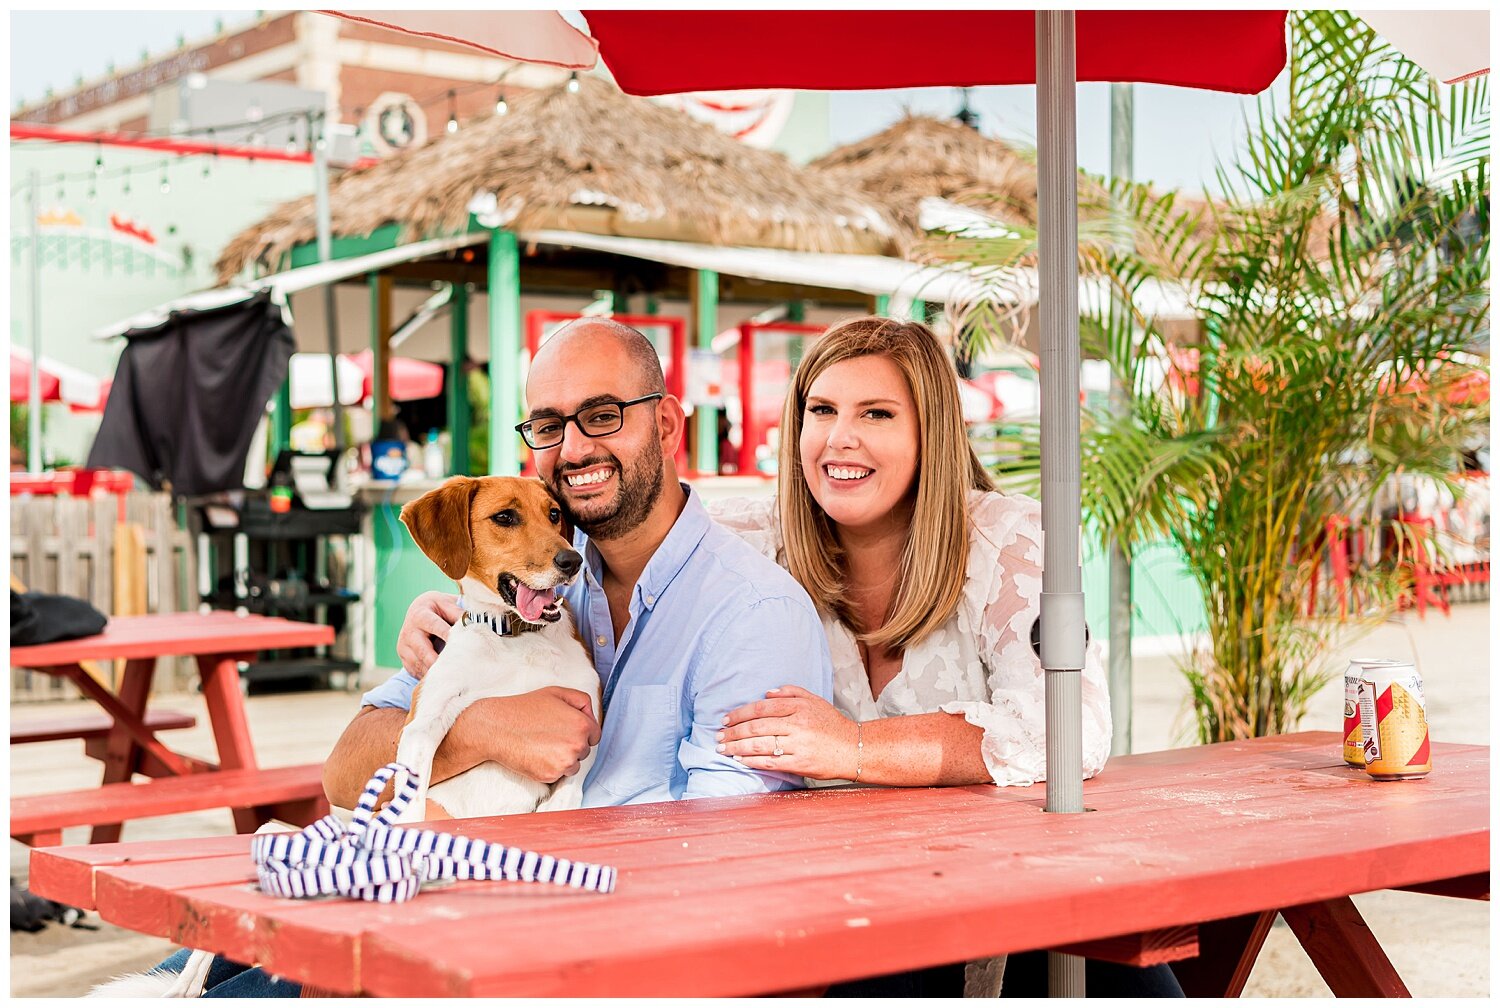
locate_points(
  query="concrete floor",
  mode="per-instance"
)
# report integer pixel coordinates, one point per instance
(1440, 946)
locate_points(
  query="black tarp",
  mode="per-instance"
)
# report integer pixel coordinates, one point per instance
(188, 393)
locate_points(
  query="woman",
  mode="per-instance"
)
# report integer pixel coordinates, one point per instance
(929, 582)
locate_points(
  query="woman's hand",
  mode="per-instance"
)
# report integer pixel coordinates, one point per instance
(431, 614)
(814, 738)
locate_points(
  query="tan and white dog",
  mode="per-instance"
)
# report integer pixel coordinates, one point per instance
(504, 541)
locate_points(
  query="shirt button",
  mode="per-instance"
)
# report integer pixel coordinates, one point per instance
(600, 639)
(651, 600)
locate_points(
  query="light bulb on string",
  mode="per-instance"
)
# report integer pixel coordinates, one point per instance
(452, 113)
(126, 190)
(500, 106)
(573, 82)
(166, 184)
(99, 160)
(62, 193)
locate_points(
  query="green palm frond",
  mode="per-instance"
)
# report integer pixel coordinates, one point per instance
(1336, 287)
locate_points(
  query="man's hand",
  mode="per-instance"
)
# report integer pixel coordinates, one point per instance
(543, 735)
(431, 614)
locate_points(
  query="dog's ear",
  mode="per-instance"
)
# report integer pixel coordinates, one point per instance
(439, 523)
(566, 530)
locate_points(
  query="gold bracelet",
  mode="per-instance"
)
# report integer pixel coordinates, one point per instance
(859, 751)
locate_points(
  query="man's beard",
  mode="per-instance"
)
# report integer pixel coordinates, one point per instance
(639, 490)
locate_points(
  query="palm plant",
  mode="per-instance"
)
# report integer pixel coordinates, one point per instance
(1338, 287)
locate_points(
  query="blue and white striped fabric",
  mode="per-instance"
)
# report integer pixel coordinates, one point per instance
(370, 859)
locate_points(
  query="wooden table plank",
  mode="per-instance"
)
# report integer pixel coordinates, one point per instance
(158, 634)
(722, 896)
(69, 871)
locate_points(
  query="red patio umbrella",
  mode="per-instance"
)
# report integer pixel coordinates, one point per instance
(82, 391)
(20, 380)
(409, 378)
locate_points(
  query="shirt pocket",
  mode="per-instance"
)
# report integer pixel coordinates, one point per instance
(643, 724)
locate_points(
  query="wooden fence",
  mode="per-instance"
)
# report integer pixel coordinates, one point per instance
(79, 546)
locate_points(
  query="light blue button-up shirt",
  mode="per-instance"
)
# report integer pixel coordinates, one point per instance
(713, 625)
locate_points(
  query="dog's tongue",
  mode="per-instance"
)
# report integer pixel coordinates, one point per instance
(530, 602)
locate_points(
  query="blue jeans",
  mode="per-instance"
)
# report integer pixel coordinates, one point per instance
(1025, 977)
(233, 980)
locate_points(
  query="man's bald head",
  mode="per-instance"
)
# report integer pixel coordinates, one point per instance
(597, 337)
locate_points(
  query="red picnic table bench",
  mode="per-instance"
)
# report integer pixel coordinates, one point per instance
(1186, 856)
(126, 737)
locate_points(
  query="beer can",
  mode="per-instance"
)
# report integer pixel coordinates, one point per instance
(1393, 720)
(1354, 739)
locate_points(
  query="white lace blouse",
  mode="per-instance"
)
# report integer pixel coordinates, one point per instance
(980, 663)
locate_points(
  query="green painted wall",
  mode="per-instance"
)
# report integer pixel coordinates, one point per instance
(1166, 598)
(402, 572)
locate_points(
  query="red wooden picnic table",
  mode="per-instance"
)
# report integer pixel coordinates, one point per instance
(219, 641)
(1185, 854)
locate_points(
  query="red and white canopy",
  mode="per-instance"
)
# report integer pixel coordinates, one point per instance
(59, 382)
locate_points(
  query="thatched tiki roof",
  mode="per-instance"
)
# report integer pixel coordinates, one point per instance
(921, 156)
(597, 161)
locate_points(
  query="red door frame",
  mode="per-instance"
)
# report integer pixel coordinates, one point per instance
(538, 320)
(750, 434)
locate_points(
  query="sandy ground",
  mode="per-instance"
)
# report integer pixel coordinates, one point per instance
(1440, 946)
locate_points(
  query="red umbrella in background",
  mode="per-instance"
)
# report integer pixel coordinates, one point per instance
(20, 379)
(83, 392)
(408, 377)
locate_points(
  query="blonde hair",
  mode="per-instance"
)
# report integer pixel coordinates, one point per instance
(934, 559)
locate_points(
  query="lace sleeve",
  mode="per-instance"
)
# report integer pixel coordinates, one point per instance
(1003, 593)
(753, 519)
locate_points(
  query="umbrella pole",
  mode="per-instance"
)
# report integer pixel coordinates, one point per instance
(1062, 636)
(325, 253)
(1062, 625)
(34, 384)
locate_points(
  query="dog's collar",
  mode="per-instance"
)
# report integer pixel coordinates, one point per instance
(505, 624)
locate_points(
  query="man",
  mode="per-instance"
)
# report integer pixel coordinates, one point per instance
(683, 620)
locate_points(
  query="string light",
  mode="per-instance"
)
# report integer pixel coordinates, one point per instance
(98, 159)
(127, 182)
(500, 107)
(452, 112)
(573, 82)
(166, 185)
(61, 192)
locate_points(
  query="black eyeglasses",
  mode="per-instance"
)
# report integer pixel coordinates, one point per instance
(598, 420)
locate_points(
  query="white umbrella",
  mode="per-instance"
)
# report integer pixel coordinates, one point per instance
(1452, 45)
